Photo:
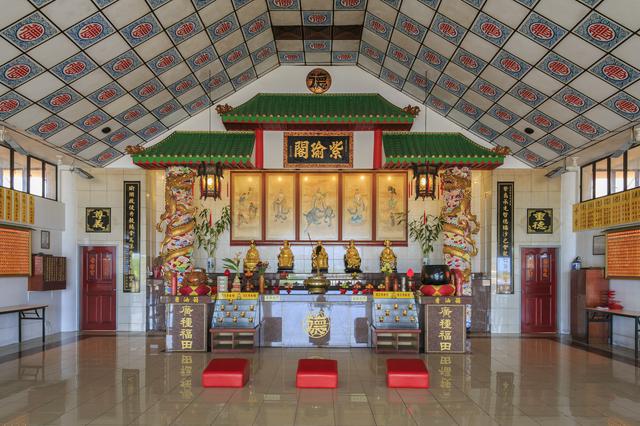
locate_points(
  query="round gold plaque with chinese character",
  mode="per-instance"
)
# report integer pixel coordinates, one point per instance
(318, 80)
(317, 324)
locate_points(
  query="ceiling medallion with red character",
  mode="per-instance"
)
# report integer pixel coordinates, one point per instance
(318, 80)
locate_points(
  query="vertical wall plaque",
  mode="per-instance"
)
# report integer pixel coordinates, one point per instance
(131, 237)
(504, 262)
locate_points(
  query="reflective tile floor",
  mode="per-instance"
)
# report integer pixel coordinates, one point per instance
(127, 379)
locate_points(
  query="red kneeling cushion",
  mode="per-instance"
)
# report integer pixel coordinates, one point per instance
(226, 373)
(407, 373)
(317, 373)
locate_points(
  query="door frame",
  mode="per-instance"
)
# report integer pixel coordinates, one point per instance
(557, 248)
(116, 246)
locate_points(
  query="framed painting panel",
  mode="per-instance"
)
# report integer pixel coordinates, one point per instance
(246, 206)
(319, 206)
(357, 206)
(280, 206)
(391, 206)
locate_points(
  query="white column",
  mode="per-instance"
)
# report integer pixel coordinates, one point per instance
(568, 247)
(68, 195)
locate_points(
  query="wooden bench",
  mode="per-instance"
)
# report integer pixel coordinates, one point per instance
(26, 312)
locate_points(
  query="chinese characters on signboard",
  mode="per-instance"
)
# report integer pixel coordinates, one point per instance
(131, 237)
(98, 219)
(504, 264)
(539, 221)
(312, 149)
(318, 80)
(16, 206)
(445, 328)
(187, 326)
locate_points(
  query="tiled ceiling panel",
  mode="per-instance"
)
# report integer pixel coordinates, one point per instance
(92, 77)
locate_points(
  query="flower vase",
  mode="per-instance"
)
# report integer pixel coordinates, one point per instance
(261, 284)
(387, 282)
(211, 265)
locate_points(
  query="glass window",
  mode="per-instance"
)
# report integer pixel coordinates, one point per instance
(602, 174)
(633, 168)
(587, 182)
(35, 176)
(5, 167)
(50, 181)
(19, 172)
(617, 174)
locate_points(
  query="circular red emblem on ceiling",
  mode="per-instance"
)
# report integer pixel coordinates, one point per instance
(17, 72)
(392, 77)
(79, 144)
(196, 105)
(141, 30)
(626, 105)
(106, 156)
(283, 3)
(542, 121)
(349, 3)
(400, 55)
(432, 58)
(587, 128)
(92, 121)
(528, 94)
(90, 31)
(131, 115)
(122, 65)
(371, 53)
(601, 32)
(147, 90)
(491, 30)
(244, 77)
(470, 109)
(48, 127)
(317, 18)
(290, 57)
(202, 59)
(555, 144)
(510, 65)
(107, 94)
(615, 72)
(183, 85)
(74, 68)
(151, 130)
(165, 61)
(117, 137)
(419, 80)
(185, 29)
(264, 52)
(167, 109)
(452, 85)
(30, 32)
(257, 26)
(223, 27)
(487, 90)
(517, 137)
(377, 26)
(468, 62)
(60, 100)
(485, 131)
(437, 103)
(447, 29)
(315, 45)
(411, 28)
(344, 56)
(558, 68)
(234, 56)
(214, 82)
(573, 99)
(504, 115)
(532, 157)
(541, 30)
(9, 105)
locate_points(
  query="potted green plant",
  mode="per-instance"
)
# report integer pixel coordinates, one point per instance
(233, 265)
(425, 231)
(208, 233)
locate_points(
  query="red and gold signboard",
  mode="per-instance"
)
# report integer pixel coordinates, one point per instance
(16, 206)
(15, 252)
(616, 209)
(623, 254)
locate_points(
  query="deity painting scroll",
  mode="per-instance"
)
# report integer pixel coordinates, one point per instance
(246, 206)
(357, 206)
(280, 206)
(319, 206)
(391, 206)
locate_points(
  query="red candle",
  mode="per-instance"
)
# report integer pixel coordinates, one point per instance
(174, 284)
(210, 218)
(425, 216)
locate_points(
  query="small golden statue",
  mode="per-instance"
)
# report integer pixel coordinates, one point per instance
(388, 257)
(252, 258)
(352, 259)
(285, 258)
(319, 258)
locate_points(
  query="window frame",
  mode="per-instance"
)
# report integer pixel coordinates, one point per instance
(592, 165)
(45, 165)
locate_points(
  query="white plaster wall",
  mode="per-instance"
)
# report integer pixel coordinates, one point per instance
(49, 215)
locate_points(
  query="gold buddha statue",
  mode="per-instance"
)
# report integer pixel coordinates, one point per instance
(285, 258)
(352, 258)
(388, 257)
(319, 258)
(252, 258)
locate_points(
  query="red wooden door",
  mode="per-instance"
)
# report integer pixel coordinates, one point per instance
(538, 290)
(98, 288)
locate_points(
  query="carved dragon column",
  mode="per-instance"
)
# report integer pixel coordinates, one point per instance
(177, 221)
(459, 223)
